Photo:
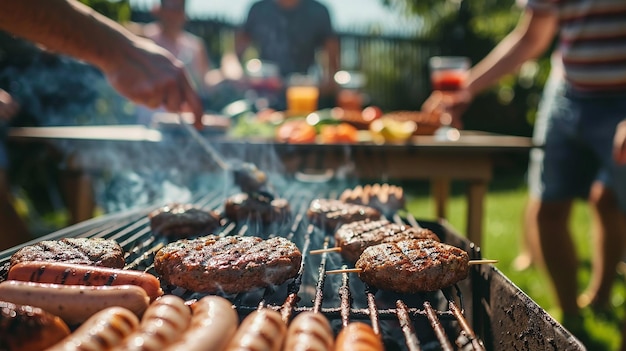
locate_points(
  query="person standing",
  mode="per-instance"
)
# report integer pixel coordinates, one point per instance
(169, 33)
(584, 149)
(289, 33)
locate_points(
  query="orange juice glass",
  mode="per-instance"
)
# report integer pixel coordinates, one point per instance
(302, 96)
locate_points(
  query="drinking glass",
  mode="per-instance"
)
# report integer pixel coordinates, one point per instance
(448, 74)
(302, 95)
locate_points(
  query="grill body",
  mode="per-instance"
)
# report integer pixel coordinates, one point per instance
(486, 311)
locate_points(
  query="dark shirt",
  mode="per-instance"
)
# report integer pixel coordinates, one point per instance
(288, 37)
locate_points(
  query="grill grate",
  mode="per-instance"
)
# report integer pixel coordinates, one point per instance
(427, 321)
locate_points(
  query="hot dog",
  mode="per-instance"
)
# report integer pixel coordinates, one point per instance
(74, 303)
(100, 332)
(28, 328)
(358, 336)
(213, 323)
(163, 323)
(309, 331)
(77, 274)
(261, 330)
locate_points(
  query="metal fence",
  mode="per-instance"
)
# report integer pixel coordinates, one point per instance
(395, 67)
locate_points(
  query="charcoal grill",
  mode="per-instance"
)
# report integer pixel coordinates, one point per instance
(486, 311)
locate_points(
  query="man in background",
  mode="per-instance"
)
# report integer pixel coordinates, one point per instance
(289, 33)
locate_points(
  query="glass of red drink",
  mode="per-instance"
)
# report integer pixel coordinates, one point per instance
(447, 73)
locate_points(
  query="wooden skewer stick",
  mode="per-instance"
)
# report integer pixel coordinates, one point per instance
(475, 262)
(321, 251)
(347, 270)
(359, 270)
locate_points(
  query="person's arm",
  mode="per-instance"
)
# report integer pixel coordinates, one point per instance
(531, 37)
(139, 69)
(533, 34)
(619, 144)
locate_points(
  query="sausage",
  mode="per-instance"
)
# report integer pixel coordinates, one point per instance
(358, 336)
(261, 330)
(309, 331)
(163, 323)
(28, 328)
(78, 274)
(213, 323)
(74, 303)
(100, 332)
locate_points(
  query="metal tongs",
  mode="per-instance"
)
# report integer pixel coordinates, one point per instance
(246, 175)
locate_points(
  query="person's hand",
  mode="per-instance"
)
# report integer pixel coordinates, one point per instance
(151, 76)
(619, 143)
(8, 106)
(449, 105)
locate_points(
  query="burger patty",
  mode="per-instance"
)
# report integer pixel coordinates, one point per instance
(231, 264)
(241, 207)
(90, 251)
(355, 237)
(183, 220)
(384, 197)
(330, 214)
(411, 266)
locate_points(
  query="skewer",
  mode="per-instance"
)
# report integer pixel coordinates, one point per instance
(321, 251)
(484, 261)
(338, 249)
(359, 270)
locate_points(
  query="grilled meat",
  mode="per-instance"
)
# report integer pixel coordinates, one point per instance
(411, 266)
(28, 328)
(249, 178)
(355, 237)
(384, 197)
(183, 220)
(231, 264)
(90, 251)
(330, 214)
(242, 206)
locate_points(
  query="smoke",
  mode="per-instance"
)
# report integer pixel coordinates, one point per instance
(55, 90)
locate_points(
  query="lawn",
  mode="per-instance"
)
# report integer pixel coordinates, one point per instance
(502, 237)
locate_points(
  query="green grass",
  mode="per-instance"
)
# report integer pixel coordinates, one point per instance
(502, 238)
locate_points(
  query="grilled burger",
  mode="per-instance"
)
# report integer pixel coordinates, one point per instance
(242, 206)
(90, 251)
(183, 220)
(330, 214)
(411, 266)
(231, 264)
(355, 237)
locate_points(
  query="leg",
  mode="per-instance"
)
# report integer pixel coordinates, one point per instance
(13, 231)
(557, 250)
(609, 226)
(531, 249)
(475, 205)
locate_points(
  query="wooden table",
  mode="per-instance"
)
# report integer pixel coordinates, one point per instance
(469, 159)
